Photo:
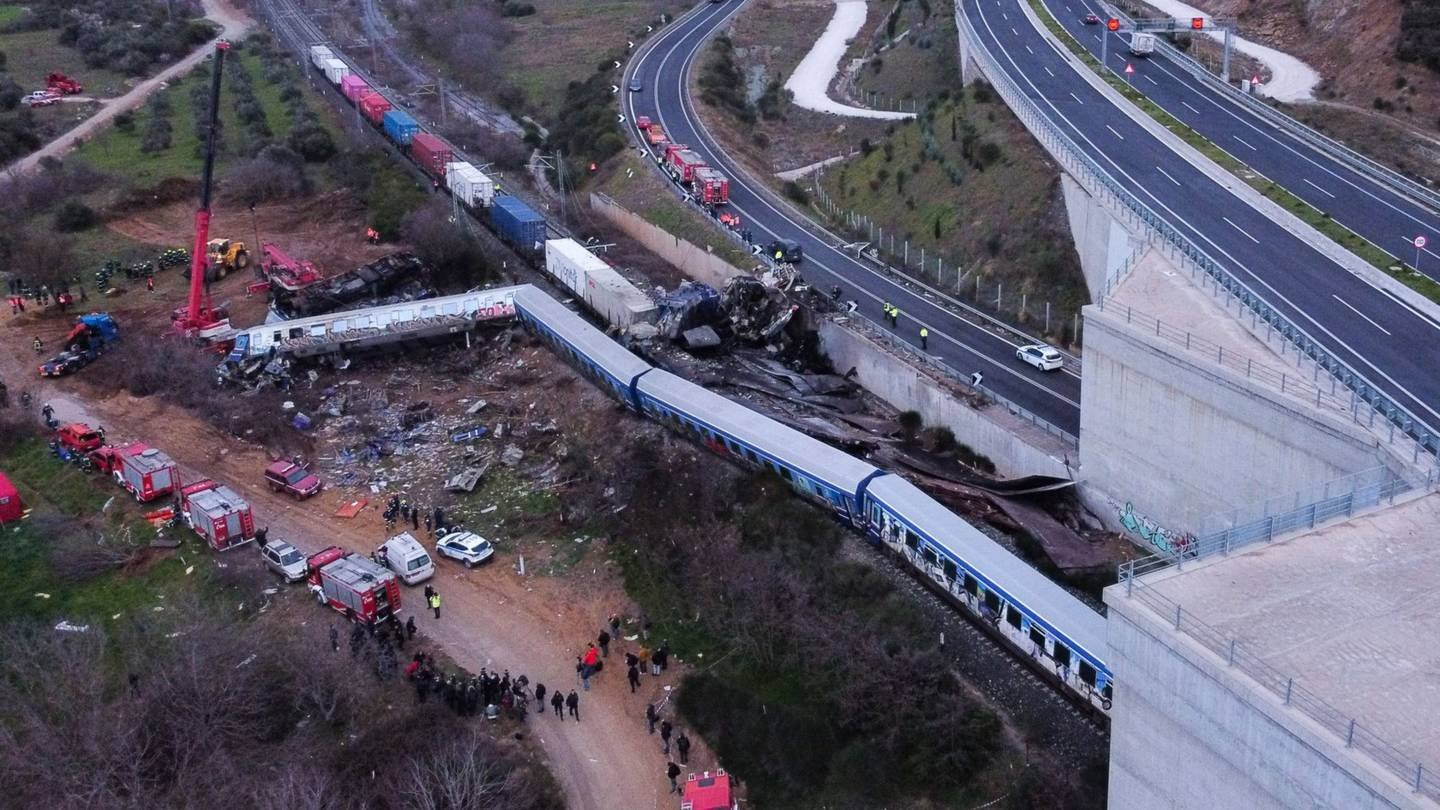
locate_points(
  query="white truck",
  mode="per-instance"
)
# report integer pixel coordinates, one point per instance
(1142, 44)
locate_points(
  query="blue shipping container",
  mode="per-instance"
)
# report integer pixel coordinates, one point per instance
(400, 127)
(518, 224)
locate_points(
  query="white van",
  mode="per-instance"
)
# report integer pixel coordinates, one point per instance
(404, 555)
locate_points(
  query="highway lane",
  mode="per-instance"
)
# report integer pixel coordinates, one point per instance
(1383, 215)
(664, 64)
(1385, 341)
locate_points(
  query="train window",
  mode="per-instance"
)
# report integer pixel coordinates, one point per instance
(929, 555)
(734, 448)
(972, 586)
(1061, 654)
(1013, 617)
(1037, 636)
(1087, 673)
(911, 539)
(1108, 691)
(992, 601)
(753, 458)
(949, 567)
(875, 513)
(785, 473)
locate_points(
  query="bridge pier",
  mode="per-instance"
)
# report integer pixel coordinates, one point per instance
(1106, 247)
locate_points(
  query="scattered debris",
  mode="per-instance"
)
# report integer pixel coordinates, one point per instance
(66, 627)
(465, 481)
(511, 455)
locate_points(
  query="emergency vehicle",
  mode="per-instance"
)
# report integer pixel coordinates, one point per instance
(354, 585)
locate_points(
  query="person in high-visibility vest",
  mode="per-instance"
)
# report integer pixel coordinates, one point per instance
(924, 339)
(435, 604)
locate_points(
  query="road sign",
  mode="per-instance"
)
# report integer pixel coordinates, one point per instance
(1129, 69)
(1421, 241)
(1197, 23)
(1113, 24)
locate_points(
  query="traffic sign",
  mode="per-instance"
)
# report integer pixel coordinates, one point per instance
(1255, 79)
(1113, 24)
(1129, 69)
(1421, 241)
(1198, 23)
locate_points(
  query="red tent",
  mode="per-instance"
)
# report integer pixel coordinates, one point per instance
(10, 506)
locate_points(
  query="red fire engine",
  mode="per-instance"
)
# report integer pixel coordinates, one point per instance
(708, 791)
(682, 161)
(146, 472)
(353, 585)
(711, 187)
(217, 513)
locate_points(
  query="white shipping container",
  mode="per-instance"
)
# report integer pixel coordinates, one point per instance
(319, 55)
(469, 184)
(570, 263)
(617, 300)
(335, 70)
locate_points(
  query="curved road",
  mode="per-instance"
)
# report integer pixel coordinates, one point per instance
(663, 66)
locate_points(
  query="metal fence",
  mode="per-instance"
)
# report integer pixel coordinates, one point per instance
(1381, 174)
(1423, 780)
(1180, 248)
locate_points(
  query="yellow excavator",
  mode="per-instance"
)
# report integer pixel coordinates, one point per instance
(225, 255)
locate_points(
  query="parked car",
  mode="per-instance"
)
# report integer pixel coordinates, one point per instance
(287, 476)
(41, 98)
(404, 555)
(1091, 19)
(466, 547)
(642, 122)
(284, 559)
(65, 363)
(1045, 358)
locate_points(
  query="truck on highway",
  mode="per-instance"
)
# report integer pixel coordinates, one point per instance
(1142, 44)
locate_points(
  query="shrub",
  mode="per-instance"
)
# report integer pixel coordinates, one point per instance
(73, 216)
(796, 193)
(910, 424)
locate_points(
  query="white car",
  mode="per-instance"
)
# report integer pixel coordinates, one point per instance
(465, 547)
(41, 98)
(284, 559)
(1045, 358)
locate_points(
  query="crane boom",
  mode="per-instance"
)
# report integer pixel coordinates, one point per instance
(200, 316)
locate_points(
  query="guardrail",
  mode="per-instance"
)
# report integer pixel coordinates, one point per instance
(1376, 171)
(1180, 248)
(1410, 770)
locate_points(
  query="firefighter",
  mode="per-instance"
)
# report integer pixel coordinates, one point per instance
(37, 344)
(924, 339)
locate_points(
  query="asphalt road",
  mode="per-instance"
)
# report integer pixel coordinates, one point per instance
(663, 65)
(1386, 217)
(1387, 342)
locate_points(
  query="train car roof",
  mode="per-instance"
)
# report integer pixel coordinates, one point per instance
(786, 444)
(590, 341)
(1081, 624)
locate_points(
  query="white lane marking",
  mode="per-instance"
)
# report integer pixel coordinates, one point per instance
(1051, 72)
(1319, 189)
(1426, 319)
(1188, 107)
(1006, 16)
(1013, 31)
(1113, 132)
(1150, 80)
(1361, 314)
(1241, 230)
(1077, 99)
(1242, 140)
(1097, 37)
(1167, 175)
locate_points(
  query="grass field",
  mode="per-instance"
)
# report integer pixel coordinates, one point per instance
(634, 185)
(29, 55)
(921, 65)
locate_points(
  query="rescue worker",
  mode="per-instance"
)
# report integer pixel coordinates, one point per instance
(572, 702)
(682, 744)
(673, 771)
(557, 702)
(410, 627)
(924, 339)
(435, 604)
(38, 345)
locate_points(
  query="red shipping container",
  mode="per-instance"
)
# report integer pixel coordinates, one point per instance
(373, 107)
(712, 187)
(431, 153)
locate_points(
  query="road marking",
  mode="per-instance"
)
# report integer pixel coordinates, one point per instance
(1077, 99)
(1361, 314)
(1241, 140)
(1150, 80)
(1241, 230)
(1188, 107)
(1027, 47)
(1426, 319)
(1006, 16)
(1321, 190)
(1051, 72)
(1013, 31)
(1097, 37)
(1116, 134)
(1167, 175)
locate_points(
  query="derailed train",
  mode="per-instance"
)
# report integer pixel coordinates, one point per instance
(1036, 618)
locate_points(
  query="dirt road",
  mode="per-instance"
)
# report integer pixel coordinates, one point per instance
(491, 616)
(233, 25)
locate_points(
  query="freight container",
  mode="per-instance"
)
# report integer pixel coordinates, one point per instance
(220, 516)
(469, 185)
(596, 283)
(431, 153)
(682, 162)
(655, 134)
(354, 87)
(374, 106)
(400, 127)
(319, 55)
(148, 474)
(711, 187)
(336, 71)
(518, 224)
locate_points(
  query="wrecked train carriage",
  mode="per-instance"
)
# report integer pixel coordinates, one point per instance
(375, 280)
(601, 359)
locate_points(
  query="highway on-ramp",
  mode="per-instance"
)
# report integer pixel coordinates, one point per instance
(663, 66)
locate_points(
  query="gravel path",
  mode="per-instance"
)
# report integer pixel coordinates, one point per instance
(811, 80)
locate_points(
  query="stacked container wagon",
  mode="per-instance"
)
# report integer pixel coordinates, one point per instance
(511, 219)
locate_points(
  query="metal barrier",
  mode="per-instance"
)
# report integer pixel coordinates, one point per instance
(1381, 174)
(1409, 769)
(1179, 247)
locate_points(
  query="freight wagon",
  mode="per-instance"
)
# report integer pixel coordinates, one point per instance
(353, 87)
(469, 185)
(711, 187)
(595, 282)
(147, 474)
(374, 106)
(336, 71)
(518, 224)
(400, 127)
(319, 55)
(431, 154)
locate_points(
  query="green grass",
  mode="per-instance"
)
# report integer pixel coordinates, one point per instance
(30, 55)
(10, 13)
(49, 487)
(909, 71)
(632, 183)
(1309, 214)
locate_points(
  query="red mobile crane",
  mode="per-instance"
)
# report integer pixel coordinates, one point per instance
(200, 318)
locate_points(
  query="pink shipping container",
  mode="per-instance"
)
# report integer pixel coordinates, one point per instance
(374, 106)
(354, 87)
(431, 153)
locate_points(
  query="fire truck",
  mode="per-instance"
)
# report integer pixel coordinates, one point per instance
(217, 513)
(682, 161)
(708, 791)
(147, 473)
(711, 187)
(354, 585)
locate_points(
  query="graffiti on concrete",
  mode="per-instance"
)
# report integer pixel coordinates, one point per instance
(1166, 540)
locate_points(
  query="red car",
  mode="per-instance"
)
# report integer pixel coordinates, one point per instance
(286, 476)
(80, 437)
(642, 122)
(1091, 19)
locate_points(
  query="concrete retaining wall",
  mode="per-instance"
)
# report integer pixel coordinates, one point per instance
(1181, 440)
(1188, 733)
(1016, 446)
(695, 262)
(1104, 245)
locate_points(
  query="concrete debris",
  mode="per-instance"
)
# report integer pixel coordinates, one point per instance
(701, 337)
(465, 481)
(476, 407)
(511, 456)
